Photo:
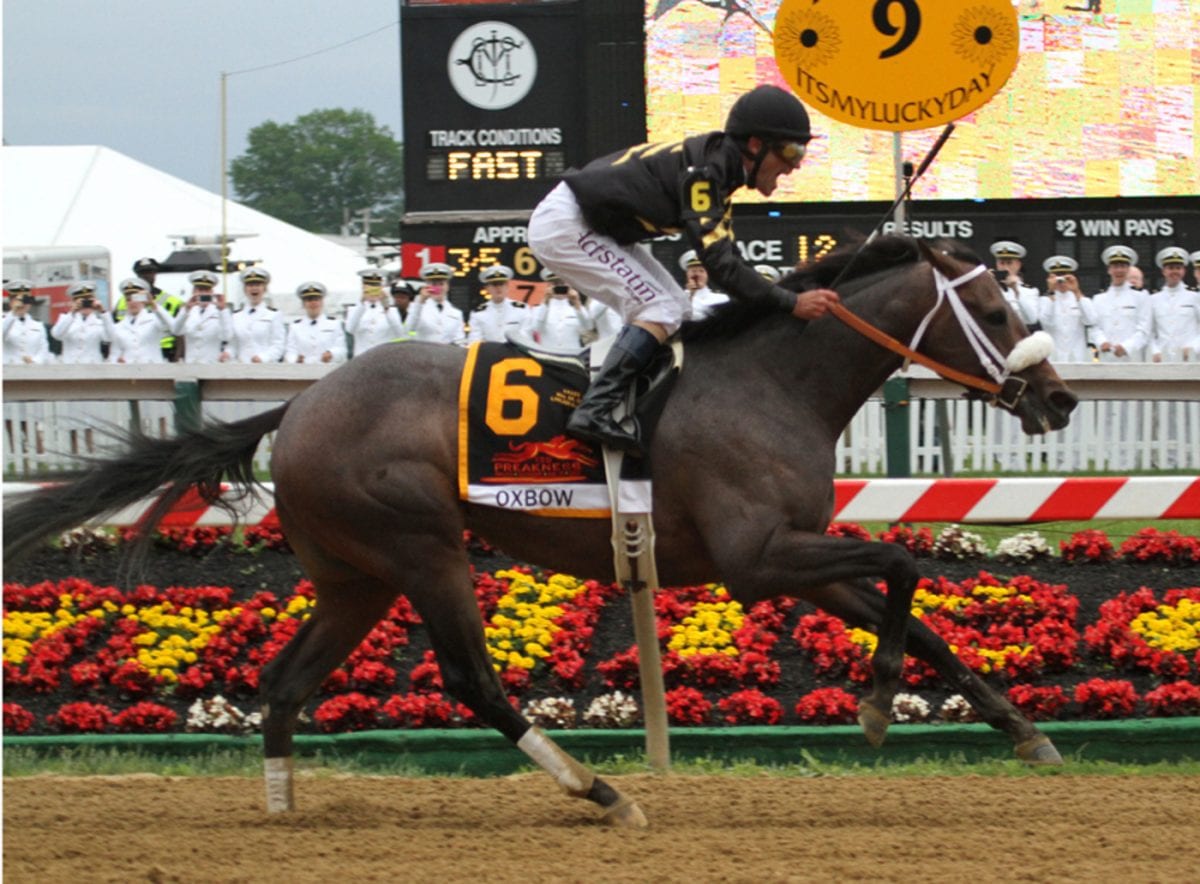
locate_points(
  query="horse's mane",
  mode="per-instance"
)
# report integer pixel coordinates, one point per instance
(863, 259)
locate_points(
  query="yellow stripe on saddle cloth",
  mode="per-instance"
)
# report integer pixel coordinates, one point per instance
(513, 448)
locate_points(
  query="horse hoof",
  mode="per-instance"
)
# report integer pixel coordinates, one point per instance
(625, 814)
(1038, 750)
(873, 722)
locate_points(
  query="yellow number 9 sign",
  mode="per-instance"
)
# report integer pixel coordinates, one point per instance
(896, 64)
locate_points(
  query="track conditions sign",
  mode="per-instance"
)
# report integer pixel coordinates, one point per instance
(896, 64)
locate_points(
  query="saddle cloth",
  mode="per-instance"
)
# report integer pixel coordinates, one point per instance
(513, 449)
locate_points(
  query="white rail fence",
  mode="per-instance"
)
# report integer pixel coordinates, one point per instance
(1142, 417)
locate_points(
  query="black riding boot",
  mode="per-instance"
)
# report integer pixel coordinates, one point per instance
(592, 421)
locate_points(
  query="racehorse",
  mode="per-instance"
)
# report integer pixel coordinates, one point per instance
(742, 461)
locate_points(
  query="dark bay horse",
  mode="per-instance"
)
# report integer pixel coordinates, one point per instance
(364, 466)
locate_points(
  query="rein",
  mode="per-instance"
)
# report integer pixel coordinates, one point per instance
(1005, 389)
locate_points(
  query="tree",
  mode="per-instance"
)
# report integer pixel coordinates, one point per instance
(322, 170)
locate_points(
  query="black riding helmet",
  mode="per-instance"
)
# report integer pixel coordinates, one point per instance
(775, 116)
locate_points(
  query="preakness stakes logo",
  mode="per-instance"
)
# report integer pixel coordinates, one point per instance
(492, 65)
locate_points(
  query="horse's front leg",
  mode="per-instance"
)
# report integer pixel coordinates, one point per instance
(793, 562)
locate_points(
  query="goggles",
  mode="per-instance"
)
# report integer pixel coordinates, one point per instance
(791, 152)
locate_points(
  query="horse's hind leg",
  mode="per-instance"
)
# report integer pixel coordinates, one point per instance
(860, 604)
(451, 614)
(293, 676)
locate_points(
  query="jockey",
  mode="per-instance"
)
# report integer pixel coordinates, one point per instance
(587, 229)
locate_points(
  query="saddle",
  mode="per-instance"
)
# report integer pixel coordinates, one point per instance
(653, 386)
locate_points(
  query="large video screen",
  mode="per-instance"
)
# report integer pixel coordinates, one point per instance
(1104, 102)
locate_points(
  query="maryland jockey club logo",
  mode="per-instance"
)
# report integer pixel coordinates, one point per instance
(560, 459)
(492, 65)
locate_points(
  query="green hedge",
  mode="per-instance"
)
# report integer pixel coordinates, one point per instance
(486, 753)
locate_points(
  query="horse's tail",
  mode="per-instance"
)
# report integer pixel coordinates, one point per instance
(199, 458)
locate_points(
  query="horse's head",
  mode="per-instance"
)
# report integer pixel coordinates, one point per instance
(972, 329)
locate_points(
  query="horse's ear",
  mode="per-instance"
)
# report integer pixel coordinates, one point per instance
(936, 258)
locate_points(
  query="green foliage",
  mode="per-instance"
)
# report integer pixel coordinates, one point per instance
(321, 170)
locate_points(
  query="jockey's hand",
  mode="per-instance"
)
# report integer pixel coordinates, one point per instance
(814, 304)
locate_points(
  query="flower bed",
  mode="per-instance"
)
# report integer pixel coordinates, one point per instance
(81, 656)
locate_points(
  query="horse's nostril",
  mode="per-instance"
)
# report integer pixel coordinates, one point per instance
(1064, 401)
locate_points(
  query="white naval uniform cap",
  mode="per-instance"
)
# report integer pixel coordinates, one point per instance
(1171, 255)
(1006, 248)
(1060, 264)
(1119, 253)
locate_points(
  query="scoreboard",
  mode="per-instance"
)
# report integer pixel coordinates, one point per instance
(492, 105)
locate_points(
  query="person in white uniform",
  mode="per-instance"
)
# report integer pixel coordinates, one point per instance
(136, 339)
(315, 337)
(205, 323)
(372, 321)
(84, 328)
(432, 318)
(499, 314)
(1022, 298)
(1175, 333)
(25, 339)
(560, 322)
(695, 284)
(1066, 315)
(257, 330)
(1121, 335)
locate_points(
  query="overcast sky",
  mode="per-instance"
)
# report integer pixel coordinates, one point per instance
(143, 76)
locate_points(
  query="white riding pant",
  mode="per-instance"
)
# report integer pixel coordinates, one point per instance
(626, 278)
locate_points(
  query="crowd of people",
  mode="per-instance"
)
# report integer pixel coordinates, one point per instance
(146, 325)
(1125, 323)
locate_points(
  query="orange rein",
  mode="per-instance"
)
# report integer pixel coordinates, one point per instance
(886, 341)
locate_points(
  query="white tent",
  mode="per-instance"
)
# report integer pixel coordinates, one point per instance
(89, 195)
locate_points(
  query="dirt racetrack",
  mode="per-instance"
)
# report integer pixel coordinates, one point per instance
(711, 828)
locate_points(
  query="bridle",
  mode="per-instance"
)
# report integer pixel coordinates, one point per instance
(1005, 389)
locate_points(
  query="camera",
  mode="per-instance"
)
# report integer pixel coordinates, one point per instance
(87, 302)
(1001, 275)
(561, 289)
(205, 299)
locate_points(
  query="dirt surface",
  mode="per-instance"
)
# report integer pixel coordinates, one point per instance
(1038, 828)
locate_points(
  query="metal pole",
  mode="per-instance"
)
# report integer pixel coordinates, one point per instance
(224, 187)
(901, 188)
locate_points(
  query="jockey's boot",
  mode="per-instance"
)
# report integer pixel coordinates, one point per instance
(592, 421)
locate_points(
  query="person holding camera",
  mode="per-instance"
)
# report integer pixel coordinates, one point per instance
(25, 339)
(257, 334)
(499, 314)
(704, 299)
(315, 337)
(589, 228)
(85, 328)
(402, 298)
(206, 322)
(372, 321)
(136, 338)
(1022, 298)
(432, 317)
(1065, 314)
(147, 270)
(560, 322)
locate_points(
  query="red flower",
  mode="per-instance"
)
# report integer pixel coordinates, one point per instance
(348, 712)
(687, 706)
(1087, 546)
(81, 718)
(1038, 703)
(417, 710)
(1178, 698)
(827, 706)
(1106, 699)
(750, 707)
(145, 718)
(17, 719)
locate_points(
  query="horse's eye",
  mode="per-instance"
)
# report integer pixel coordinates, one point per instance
(996, 317)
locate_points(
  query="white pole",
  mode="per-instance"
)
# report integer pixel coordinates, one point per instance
(224, 190)
(898, 161)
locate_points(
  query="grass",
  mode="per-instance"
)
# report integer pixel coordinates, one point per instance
(247, 762)
(1117, 530)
